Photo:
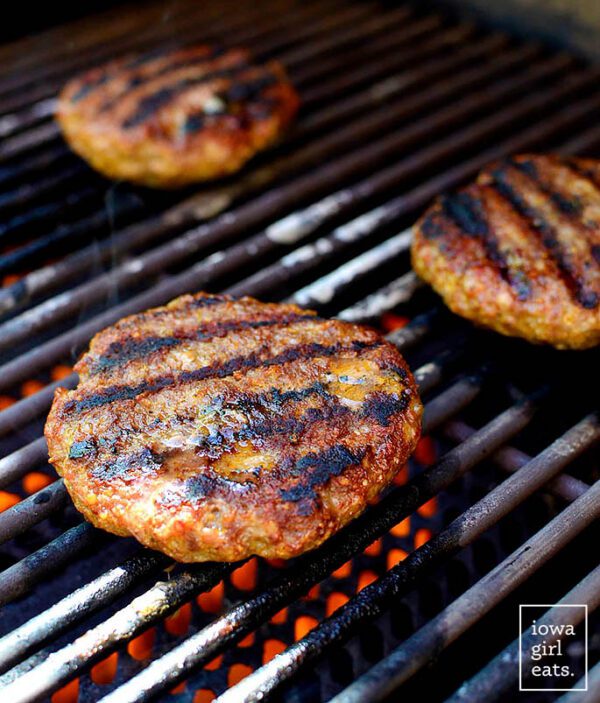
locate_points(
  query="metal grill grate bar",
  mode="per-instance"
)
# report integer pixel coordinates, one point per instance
(211, 202)
(186, 245)
(451, 401)
(242, 23)
(166, 255)
(510, 460)
(405, 661)
(312, 568)
(30, 511)
(19, 578)
(478, 600)
(497, 677)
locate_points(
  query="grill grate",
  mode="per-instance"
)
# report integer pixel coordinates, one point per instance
(322, 220)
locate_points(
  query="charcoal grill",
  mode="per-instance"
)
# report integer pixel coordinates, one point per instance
(418, 597)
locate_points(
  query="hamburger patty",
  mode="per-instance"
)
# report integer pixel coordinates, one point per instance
(169, 119)
(519, 250)
(214, 428)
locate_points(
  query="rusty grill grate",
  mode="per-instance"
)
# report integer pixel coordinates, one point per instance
(398, 105)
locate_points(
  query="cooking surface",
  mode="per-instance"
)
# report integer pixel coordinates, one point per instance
(397, 106)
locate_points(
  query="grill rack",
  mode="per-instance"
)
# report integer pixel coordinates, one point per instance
(515, 84)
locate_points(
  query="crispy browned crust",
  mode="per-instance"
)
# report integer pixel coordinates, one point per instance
(519, 250)
(213, 428)
(169, 119)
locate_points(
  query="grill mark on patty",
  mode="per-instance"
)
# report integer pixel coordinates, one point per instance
(202, 55)
(89, 86)
(467, 212)
(260, 109)
(377, 406)
(265, 429)
(196, 122)
(207, 300)
(81, 449)
(172, 68)
(273, 400)
(202, 486)
(120, 353)
(592, 199)
(548, 237)
(145, 459)
(382, 407)
(576, 167)
(150, 104)
(130, 349)
(388, 365)
(148, 56)
(317, 469)
(569, 206)
(211, 51)
(203, 301)
(246, 90)
(292, 425)
(217, 370)
(107, 76)
(431, 228)
(585, 294)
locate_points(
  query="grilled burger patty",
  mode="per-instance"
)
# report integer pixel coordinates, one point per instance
(519, 250)
(169, 119)
(214, 428)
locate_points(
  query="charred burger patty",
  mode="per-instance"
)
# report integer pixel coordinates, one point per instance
(214, 429)
(169, 119)
(519, 250)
